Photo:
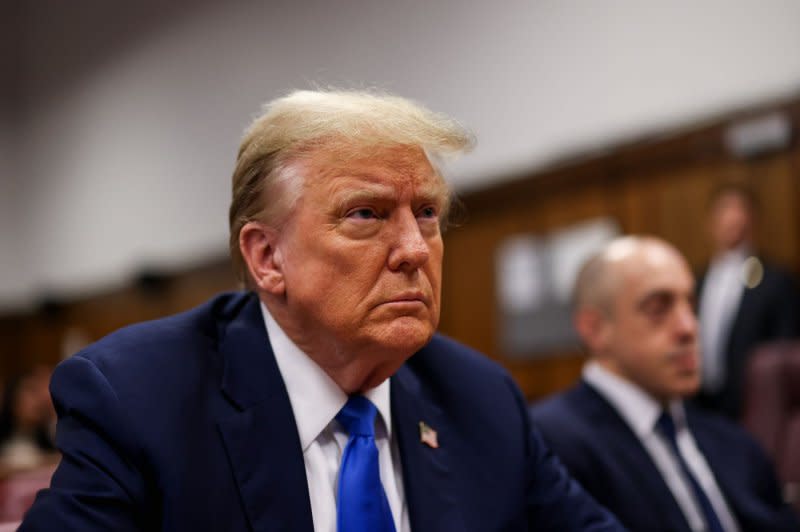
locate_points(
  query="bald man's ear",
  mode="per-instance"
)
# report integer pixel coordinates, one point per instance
(593, 326)
(258, 244)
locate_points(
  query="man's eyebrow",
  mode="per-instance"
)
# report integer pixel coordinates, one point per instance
(366, 193)
(655, 294)
(429, 193)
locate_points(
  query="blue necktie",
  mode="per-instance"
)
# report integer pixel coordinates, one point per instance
(666, 425)
(362, 504)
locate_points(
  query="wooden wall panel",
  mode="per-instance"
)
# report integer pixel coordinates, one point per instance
(657, 186)
(660, 188)
(777, 228)
(469, 268)
(40, 337)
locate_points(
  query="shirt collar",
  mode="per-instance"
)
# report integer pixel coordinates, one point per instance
(314, 396)
(639, 410)
(733, 257)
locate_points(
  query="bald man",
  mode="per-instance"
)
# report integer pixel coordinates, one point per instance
(624, 431)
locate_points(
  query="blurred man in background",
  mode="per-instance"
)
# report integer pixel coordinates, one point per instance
(743, 301)
(27, 423)
(323, 400)
(624, 431)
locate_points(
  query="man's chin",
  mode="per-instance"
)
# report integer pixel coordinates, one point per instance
(688, 388)
(406, 335)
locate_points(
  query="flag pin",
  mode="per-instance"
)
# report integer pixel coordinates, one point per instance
(428, 436)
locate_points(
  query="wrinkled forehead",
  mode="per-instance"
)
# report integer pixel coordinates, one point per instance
(379, 165)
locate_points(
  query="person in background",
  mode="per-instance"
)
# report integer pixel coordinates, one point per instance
(26, 423)
(625, 432)
(743, 301)
(322, 399)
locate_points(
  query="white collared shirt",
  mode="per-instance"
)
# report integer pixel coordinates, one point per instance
(719, 302)
(640, 412)
(315, 400)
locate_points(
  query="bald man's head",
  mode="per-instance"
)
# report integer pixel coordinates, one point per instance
(634, 309)
(600, 277)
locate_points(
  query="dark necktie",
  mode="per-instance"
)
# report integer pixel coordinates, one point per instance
(362, 504)
(666, 425)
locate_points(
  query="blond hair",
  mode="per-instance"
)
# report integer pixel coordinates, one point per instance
(266, 183)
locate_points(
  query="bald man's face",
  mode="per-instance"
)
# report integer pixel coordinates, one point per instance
(650, 335)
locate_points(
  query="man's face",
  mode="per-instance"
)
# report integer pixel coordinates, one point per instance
(651, 333)
(362, 257)
(730, 221)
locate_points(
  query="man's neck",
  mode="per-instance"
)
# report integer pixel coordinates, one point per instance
(743, 248)
(351, 372)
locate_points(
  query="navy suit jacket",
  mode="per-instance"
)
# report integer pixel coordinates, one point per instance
(606, 457)
(768, 311)
(184, 424)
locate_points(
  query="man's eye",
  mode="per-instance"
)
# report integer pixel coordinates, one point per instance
(657, 308)
(362, 214)
(428, 212)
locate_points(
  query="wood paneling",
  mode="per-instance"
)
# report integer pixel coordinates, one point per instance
(658, 187)
(39, 337)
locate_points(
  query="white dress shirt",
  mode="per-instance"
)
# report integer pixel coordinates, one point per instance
(640, 412)
(719, 302)
(315, 400)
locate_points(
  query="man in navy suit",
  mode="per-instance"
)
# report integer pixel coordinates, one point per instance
(624, 431)
(322, 400)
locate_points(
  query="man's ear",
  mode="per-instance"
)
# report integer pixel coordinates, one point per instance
(593, 326)
(258, 245)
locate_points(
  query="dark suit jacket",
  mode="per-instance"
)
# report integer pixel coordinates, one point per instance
(605, 456)
(768, 311)
(184, 424)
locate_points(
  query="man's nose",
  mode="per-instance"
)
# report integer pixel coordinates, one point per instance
(409, 248)
(686, 322)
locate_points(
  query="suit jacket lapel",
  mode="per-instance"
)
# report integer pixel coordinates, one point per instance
(745, 304)
(628, 450)
(259, 433)
(427, 478)
(727, 473)
(751, 296)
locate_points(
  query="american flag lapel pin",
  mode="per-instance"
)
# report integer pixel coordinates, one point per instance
(428, 436)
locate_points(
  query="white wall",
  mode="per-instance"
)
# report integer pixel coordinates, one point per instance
(14, 282)
(133, 112)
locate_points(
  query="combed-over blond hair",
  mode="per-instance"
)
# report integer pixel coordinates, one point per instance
(266, 184)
